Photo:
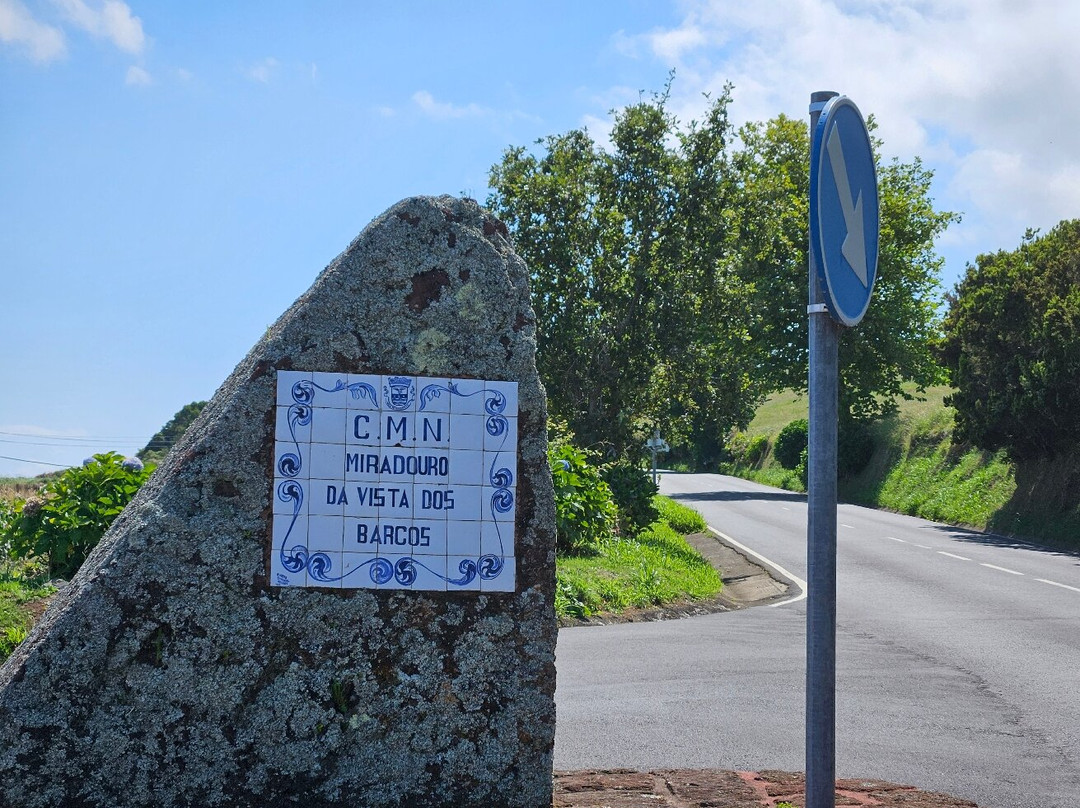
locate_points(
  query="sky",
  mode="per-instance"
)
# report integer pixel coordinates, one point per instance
(174, 174)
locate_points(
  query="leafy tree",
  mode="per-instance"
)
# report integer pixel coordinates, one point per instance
(669, 276)
(1012, 347)
(641, 318)
(163, 441)
(895, 341)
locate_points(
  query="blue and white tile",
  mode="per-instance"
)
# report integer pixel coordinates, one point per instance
(396, 463)
(505, 581)
(469, 398)
(282, 432)
(467, 503)
(362, 428)
(432, 466)
(356, 570)
(280, 576)
(327, 497)
(360, 535)
(330, 389)
(397, 393)
(458, 570)
(326, 462)
(291, 496)
(466, 467)
(397, 428)
(324, 534)
(325, 569)
(430, 575)
(467, 431)
(500, 434)
(500, 504)
(285, 381)
(365, 500)
(463, 538)
(365, 391)
(288, 531)
(505, 393)
(432, 501)
(433, 394)
(397, 501)
(328, 425)
(497, 539)
(361, 463)
(500, 469)
(432, 429)
(431, 539)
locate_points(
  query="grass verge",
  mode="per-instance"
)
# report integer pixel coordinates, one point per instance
(655, 568)
(23, 592)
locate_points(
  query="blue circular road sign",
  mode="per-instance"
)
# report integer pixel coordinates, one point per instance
(844, 224)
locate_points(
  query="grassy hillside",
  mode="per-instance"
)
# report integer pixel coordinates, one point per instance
(916, 469)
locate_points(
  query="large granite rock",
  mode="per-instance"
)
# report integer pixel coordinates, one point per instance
(173, 672)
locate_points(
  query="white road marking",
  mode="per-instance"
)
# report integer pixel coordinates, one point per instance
(799, 582)
(785, 507)
(953, 555)
(1055, 583)
(893, 538)
(1002, 569)
(924, 547)
(849, 527)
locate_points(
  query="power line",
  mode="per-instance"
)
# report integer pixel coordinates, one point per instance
(76, 437)
(39, 462)
(87, 444)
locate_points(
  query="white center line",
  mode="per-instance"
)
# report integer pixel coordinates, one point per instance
(1002, 569)
(849, 527)
(953, 555)
(924, 546)
(893, 538)
(1055, 583)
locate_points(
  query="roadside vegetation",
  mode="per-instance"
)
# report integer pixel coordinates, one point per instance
(655, 567)
(911, 463)
(48, 526)
(619, 545)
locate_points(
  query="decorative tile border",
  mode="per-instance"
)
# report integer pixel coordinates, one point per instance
(394, 482)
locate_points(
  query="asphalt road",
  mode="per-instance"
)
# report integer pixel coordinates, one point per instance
(958, 659)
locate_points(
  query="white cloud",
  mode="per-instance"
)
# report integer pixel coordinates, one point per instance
(138, 77)
(262, 71)
(443, 110)
(183, 74)
(111, 20)
(982, 89)
(42, 42)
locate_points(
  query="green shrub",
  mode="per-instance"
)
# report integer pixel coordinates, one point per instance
(756, 449)
(585, 511)
(73, 511)
(803, 468)
(633, 490)
(790, 443)
(854, 447)
(744, 450)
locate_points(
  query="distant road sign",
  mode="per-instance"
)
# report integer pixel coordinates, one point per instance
(844, 223)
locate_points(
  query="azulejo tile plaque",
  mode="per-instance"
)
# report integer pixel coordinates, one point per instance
(394, 482)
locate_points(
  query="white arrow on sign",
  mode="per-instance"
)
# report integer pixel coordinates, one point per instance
(854, 246)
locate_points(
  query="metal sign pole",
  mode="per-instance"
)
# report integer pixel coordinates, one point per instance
(821, 537)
